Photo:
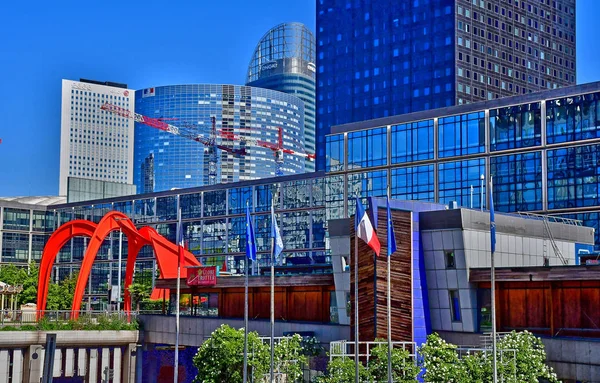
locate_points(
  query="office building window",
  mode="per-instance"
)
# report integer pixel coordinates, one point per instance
(413, 183)
(456, 180)
(454, 306)
(515, 127)
(367, 148)
(335, 153)
(573, 118)
(412, 142)
(461, 135)
(450, 260)
(517, 182)
(573, 177)
(238, 198)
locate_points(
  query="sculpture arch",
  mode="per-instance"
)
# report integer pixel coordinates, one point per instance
(165, 251)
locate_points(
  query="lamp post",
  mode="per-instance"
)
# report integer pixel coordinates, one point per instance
(482, 195)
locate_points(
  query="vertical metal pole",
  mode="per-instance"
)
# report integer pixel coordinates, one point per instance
(389, 304)
(493, 292)
(119, 270)
(176, 372)
(272, 296)
(356, 356)
(245, 372)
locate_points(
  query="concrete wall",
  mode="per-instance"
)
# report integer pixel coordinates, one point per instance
(83, 354)
(160, 329)
(440, 280)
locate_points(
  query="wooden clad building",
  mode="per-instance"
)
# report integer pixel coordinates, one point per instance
(297, 297)
(372, 283)
(553, 301)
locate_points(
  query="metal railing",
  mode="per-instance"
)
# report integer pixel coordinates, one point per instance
(345, 349)
(551, 218)
(29, 317)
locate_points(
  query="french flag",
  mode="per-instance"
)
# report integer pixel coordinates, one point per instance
(364, 229)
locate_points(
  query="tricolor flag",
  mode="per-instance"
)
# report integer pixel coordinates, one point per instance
(364, 229)
(391, 238)
(278, 242)
(148, 92)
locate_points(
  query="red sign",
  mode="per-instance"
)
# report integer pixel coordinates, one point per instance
(202, 276)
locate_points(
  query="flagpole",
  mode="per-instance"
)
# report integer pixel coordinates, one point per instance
(179, 236)
(356, 355)
(246, 261)
(493, 292)
(389, 298)
(273, 292)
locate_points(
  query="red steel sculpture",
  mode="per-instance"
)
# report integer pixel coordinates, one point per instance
(165, 251)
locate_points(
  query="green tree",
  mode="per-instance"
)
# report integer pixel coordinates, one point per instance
(141, 288)
(60, 295)
(343, 370)
(530, 363)
(221, 357)
(30, 285)
(404, 368)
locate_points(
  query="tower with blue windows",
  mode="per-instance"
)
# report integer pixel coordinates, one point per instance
(284, 60)
(384, 58)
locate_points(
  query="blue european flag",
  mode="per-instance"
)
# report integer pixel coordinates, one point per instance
(250, 241)
(492, 222)
(276, 235)
(391, 239)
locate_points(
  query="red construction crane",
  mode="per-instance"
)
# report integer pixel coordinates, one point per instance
(211, 142)
(278, 149)
(185, 132)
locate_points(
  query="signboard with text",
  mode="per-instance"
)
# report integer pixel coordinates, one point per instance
(202, 276)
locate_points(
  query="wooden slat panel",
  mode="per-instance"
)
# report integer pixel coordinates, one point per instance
(373, 282)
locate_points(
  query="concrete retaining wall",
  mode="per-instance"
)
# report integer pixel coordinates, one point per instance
(160, 329)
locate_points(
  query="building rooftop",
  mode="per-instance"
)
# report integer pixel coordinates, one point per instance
(35, 200)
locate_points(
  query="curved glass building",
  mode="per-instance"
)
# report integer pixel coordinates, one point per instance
(284, 60)
(163, 161)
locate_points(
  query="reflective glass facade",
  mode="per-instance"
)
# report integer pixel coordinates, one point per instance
(163, 161)
(384, 58)
(541, 149)
(284, 60)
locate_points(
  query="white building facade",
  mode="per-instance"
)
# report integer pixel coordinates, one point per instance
(95, 144)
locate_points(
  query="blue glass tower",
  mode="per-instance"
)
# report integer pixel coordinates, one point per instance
(163, 161)
(383, 58)
(284, 60)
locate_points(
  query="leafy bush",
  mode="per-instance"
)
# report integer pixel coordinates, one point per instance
(530, 358)
(404, 368)
(311, 346)
(440, 361)
(289, 357)
(343, 370)
(221, 358)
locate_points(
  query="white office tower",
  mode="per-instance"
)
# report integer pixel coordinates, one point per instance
(94, 144)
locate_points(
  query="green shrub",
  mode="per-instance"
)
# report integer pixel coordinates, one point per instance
(404, 368)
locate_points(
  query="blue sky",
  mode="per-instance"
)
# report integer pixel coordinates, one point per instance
(141, 43)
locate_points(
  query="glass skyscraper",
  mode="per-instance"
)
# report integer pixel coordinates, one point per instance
(384, 58)
(163, 161)
(284, 60)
